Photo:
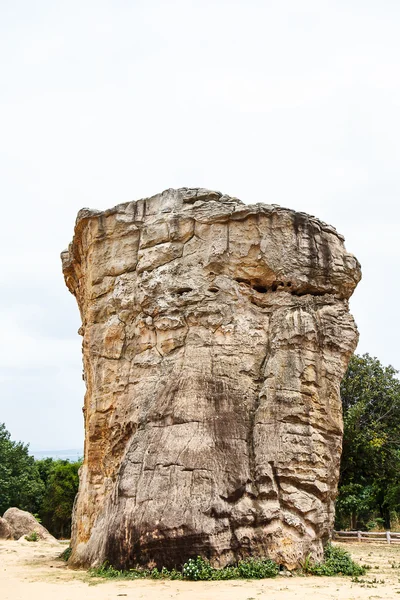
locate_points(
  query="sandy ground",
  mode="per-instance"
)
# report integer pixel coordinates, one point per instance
(31, 571)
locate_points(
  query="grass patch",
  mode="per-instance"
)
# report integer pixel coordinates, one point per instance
(107, 571)
(32, 537)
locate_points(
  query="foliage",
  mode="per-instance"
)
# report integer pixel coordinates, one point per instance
(337, 561)
(377, 523)
(249, 568)
(197, 569)
(66, 554)
(61, 479)
(46, 488)
(32, 537)
(20, 482)
(108, 572)
(45, 467)
(370, 465)
(253, 568)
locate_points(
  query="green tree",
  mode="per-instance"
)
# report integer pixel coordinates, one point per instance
(45, 467)
(62, 480)
(20, 482)
(370, 467)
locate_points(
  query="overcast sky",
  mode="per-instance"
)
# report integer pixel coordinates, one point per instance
(294, 102)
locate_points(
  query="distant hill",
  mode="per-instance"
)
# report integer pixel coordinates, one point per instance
(72, 454)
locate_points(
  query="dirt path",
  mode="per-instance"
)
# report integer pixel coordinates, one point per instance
(31, 571)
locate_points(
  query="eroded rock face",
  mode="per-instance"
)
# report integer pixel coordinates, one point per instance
(5, 530)
(215, 336)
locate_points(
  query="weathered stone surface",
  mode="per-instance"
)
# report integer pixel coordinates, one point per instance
(215, 336)
(23, 523)
(5, 530)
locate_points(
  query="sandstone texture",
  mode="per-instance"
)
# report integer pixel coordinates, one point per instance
(215, 336)
(5, 530)
(22, 523)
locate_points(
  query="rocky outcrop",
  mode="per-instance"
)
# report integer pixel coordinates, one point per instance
(215, 336)
(23, 523)
(5, 530)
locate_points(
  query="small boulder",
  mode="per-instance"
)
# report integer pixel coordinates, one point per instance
(24, 523)
(5, 530)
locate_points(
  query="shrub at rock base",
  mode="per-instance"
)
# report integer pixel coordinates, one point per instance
(337, 562)
(251, 568)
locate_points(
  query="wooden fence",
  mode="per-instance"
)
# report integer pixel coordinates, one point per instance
(388, 537)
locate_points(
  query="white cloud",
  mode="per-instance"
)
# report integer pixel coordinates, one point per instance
(22, 350)
(289, 102)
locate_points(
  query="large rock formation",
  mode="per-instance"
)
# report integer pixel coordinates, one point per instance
(22, 522)
(215, 336)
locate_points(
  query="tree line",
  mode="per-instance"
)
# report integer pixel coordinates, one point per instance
(369, 485)
(46, 487)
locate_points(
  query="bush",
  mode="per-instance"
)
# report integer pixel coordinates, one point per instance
(337, 561)
(255, 568)
(250, 568)
(66, 554)
(32, 537)
(197, 569)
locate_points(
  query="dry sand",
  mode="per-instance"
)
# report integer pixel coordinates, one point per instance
(31, 571)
